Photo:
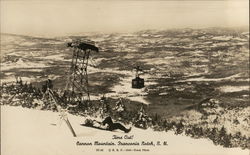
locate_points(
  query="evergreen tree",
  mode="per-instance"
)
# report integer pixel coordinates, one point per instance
(214, 135)
(222, 132)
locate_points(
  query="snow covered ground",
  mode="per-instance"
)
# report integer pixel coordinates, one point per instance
(21, 64)
(29, 132)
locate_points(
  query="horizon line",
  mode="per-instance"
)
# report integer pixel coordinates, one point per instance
(94, 32)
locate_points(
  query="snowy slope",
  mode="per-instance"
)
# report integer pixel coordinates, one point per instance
(34, 132)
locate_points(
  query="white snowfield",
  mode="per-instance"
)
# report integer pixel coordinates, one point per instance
(34, 132)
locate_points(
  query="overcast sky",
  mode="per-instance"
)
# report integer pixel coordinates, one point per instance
(57, 17)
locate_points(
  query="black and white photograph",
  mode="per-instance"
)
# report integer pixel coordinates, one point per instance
(124, 77)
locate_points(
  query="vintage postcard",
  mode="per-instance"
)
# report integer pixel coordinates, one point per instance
(125, 77)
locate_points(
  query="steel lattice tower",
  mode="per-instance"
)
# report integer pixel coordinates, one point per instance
(78, 82)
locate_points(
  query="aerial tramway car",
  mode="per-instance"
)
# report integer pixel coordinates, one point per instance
(137, 82)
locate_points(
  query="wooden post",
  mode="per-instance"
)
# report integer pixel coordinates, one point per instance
(70, 127)
(63, 114)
